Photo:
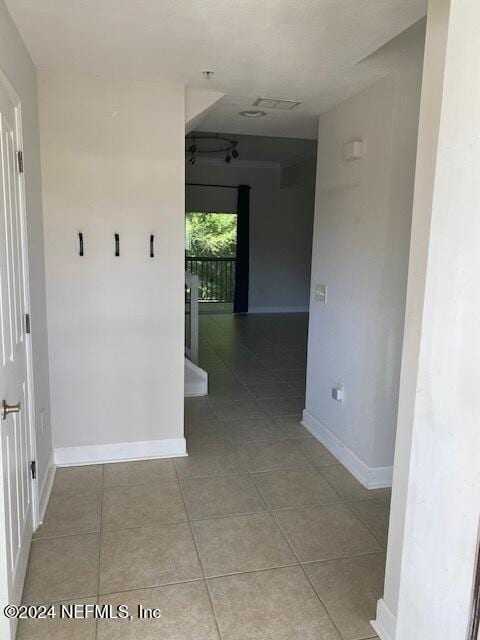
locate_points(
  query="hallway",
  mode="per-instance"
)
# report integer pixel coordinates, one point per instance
(259, 534)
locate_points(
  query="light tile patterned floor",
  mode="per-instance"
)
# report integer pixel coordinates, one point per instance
(258, 535)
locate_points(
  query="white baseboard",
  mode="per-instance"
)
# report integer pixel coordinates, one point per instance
(385, 623)
(370, 477)
(195, 390)
(303, 309)
(196, 380)
(46, 488)
(120, 452)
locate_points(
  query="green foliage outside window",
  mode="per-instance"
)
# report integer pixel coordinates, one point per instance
(211, 234)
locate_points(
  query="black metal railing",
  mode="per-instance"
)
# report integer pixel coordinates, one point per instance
(216, 277)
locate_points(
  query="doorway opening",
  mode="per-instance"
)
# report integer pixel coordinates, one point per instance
(211, 254)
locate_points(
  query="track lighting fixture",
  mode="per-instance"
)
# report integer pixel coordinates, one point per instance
(216, 145)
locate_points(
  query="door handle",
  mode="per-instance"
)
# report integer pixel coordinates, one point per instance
(9, 408)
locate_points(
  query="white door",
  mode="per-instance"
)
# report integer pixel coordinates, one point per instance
(16, 511)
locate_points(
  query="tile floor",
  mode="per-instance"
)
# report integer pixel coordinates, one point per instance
(258, 535)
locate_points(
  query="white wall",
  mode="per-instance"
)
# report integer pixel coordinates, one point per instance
(113, 162)
(360, 250)
(438, 429)
(280, 228)
(432, 89)
(17, 66)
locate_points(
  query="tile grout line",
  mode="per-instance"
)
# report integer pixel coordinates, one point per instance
(198, 555)
(269, 509)
(361, 554)
(150, 587)
(308, 578)
(377, 538)
(229, 425)
(264, 413)
(346, 503)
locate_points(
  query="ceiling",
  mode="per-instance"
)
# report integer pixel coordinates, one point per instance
(253, 149)
(305, 50)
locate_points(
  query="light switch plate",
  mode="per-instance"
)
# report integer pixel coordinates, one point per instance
(321, 293)
(337, 393)
(353, 150)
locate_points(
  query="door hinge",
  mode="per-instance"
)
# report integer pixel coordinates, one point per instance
(27, 323)
(33, 469)
(20, 161)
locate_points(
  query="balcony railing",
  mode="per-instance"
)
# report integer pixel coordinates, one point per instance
(216, 278)
(191, 316)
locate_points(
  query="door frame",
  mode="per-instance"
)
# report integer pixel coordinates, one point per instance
(17, 104)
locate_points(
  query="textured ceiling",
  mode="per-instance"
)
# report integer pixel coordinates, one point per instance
(304, 50)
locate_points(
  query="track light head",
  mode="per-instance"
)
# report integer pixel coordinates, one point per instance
(191, 159)
(228, 158)
(234, 153)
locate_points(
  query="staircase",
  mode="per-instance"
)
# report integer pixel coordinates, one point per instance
(196, 379)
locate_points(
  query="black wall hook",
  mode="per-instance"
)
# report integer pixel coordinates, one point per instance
(152, 248)
(80, 243)
(117, 245)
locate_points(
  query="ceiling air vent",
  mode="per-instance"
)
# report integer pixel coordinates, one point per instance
(276, 103)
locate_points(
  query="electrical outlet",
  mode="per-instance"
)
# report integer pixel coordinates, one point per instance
(321, 293)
